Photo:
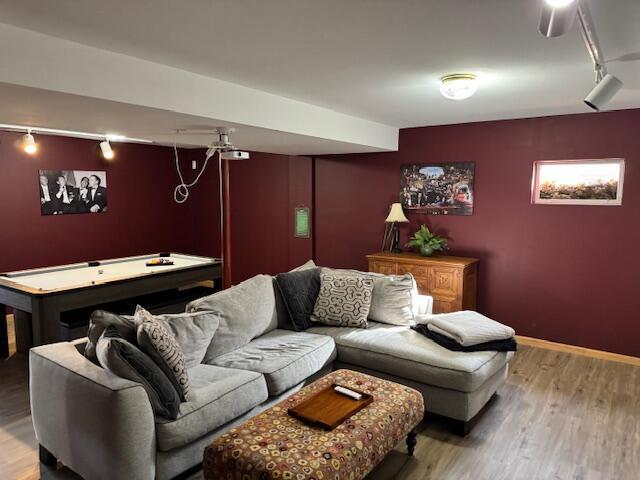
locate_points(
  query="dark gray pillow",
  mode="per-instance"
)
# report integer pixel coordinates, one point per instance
(126, 360)
(161, 345)
(99, 321)
(299, 291)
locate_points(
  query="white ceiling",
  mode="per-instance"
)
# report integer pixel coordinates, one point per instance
(377, 60)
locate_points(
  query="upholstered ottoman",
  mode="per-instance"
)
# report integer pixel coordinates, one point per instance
(275, 445)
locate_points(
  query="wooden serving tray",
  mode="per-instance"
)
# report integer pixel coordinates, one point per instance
(327, 409)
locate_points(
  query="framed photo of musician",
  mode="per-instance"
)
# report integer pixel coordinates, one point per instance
(64, 192)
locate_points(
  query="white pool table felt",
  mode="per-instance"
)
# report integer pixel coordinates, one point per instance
(69, 276)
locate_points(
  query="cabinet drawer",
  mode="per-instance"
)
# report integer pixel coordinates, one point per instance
(423, 286)
(386, 268)
(443, 281)
(415, 270)
(444, 306)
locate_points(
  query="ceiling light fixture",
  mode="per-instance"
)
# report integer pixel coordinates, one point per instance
(559, 3)
(107, 151)
(29, 143)
(458, 86)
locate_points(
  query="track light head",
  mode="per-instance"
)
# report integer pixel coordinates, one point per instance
(107, 151)
(603, 92)
(557, 17)
(29, 143)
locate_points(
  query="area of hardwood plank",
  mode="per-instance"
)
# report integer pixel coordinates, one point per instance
(559, 416)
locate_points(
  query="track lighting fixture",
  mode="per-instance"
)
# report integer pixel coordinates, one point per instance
(107, 151)
(29, 143)
(603, 92)
(556, 18)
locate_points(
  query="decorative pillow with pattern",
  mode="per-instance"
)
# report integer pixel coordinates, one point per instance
(344, 300)
(161, 345)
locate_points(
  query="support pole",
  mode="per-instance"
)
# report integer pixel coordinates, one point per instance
(226, 226)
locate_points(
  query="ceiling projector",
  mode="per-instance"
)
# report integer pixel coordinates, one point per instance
(235, 155)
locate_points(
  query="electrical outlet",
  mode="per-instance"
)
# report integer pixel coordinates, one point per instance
(194, 165)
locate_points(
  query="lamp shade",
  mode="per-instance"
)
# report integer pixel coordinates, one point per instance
(396, 214)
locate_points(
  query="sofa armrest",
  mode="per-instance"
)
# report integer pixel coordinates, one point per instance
(422, 305)
(96, 423)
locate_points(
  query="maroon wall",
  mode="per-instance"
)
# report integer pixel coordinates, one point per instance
(142, 216)
(564, 273)
(264, 192)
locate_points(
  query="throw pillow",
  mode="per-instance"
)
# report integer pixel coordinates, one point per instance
(246, 311)
(392, 299)
(99, 322)
(393, 296)
(299, 291)
(125, 360)
(344, 300)
(160, 344)
(309, 264)
(193, 332)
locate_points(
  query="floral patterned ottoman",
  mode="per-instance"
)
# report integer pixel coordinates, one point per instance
(274, 445)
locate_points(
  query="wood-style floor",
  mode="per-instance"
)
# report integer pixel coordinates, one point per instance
(560, 416)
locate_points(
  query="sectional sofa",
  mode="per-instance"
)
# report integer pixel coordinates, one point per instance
(102, 426)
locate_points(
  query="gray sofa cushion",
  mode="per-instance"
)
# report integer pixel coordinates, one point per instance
(400, 351)
(245, 311)
(285, 358)
(126, 360)
(193, 332)
(217, 396)
(299, 291)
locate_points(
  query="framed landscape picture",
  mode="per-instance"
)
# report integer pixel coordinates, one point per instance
(578, 182)
(437, 188)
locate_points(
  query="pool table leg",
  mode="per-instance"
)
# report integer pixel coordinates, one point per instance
(45, 321)
(4, 334)
(22, 326)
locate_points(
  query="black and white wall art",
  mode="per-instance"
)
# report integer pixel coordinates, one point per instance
(72, 191)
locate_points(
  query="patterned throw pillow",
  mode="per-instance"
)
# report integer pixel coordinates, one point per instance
(344, 300)
(161, 345)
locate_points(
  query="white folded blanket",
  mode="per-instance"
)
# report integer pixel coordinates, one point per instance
(467, 328)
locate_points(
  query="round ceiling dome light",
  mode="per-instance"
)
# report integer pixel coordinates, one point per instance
(458, 86)
(559, 3)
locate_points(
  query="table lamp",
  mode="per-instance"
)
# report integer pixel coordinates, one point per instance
(396, 215)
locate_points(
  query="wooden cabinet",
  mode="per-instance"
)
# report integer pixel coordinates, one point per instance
(451, 281)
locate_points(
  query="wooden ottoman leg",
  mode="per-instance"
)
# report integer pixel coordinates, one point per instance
(411, 442)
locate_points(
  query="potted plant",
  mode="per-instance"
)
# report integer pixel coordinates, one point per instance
(427, 242)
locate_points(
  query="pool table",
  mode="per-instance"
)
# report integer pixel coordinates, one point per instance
(39, 296)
